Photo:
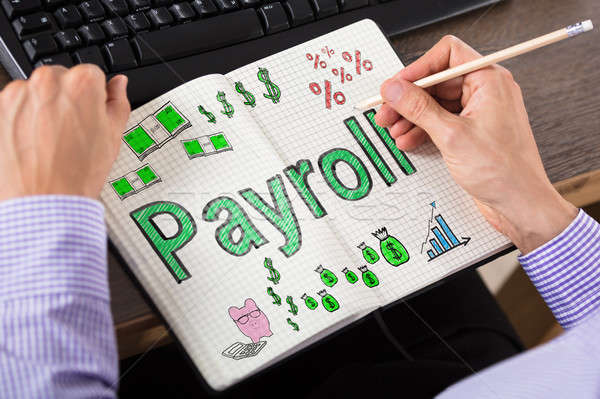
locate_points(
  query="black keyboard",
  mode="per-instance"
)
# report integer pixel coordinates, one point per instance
(159, 44)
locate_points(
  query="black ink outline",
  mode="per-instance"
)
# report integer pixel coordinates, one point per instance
(356, 174)
(269, 182)
(304, 176)
(253, 243)
(180, 228)
(385, 164)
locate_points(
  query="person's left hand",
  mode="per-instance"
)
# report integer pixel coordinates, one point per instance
(61, 131)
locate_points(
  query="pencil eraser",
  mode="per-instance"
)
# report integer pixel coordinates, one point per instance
(587, 25)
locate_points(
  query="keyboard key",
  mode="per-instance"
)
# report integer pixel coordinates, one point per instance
(68, 39)
(346, 5)
(182, 12)
(92, 10)
(116, 7)
(161, 3)
(57, 59)
(138, 21)
(119, 55)
(227, 5)
(299, 11)
(159, 17)
(91, 34)
(139, 5)
(183, 40)
(52, 4)
(273, 17)
(32, 23)
(68, 16)
(249, 3)
(90, 55)
(115, 28)
(15, 8)
(204, 8)
(39, 46)
(325, 8)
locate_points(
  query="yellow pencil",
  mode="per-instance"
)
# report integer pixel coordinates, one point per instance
(490, 59)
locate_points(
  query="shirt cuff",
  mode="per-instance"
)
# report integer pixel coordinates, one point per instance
(52, 244)
(566, 270)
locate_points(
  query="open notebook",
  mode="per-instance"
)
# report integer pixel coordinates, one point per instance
(261, 212)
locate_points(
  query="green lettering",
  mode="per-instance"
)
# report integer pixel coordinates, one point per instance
(327, 164)
(298, 176)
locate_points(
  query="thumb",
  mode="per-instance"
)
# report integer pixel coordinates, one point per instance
(117, 104)
(418, 107)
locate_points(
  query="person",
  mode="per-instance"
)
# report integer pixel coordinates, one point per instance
(61, 136)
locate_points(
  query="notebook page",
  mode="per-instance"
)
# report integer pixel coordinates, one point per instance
(173, 153)
(412, 205)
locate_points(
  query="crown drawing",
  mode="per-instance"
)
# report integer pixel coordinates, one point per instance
(381, 234)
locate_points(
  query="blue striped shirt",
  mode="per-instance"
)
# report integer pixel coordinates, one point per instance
(57, 338)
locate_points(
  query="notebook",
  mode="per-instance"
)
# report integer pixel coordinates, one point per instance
(261, 212)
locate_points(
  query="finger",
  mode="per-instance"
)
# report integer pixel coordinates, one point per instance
(85, 83)
(386, 116)
(453, 106)
(417, 106)
(117, 104)
(400, 127)
(448, 52)
(411, 139)
(449, 90)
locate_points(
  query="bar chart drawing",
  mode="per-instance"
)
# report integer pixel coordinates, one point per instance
(440, 236)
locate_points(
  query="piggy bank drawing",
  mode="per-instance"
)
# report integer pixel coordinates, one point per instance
(251, 321)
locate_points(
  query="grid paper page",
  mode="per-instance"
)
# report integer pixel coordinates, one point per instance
(415, 208)
(154, 164)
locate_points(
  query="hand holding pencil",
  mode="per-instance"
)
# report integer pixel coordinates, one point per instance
(480, 125)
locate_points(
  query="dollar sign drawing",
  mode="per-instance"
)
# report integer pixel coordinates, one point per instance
(275, 276)
(350, 275)
(309, 301)
(209, 115)
(276, 298)
(327, 276)
(293, 308)
(239, 87)
(393, 251)
(294, 325)
(272, 88)
(368, 253)
(329, 302)
(369, 278)
(228, 108)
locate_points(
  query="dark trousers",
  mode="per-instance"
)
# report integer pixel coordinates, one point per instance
(412, 350)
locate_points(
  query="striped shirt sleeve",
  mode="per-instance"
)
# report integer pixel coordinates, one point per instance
(56, 330)
(566, 271)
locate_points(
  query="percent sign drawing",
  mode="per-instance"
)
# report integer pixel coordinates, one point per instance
(318, 63)
(343, 75)
(338, 96)
(358, 61)
(327, 51)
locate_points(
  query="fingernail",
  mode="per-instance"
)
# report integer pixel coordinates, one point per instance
(392, 91)
(123, 80)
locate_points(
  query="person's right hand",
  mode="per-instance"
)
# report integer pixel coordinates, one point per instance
(480, 125)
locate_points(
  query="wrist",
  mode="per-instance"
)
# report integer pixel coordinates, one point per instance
(534, 221)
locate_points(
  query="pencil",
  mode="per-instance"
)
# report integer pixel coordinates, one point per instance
(490, 59)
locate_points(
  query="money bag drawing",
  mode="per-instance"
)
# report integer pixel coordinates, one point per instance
(251, 321)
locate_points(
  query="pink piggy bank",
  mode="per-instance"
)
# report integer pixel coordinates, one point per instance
(251, 321)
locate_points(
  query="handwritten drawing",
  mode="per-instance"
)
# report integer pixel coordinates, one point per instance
(309, 301)
(273, 91)
(295, 326)
(293, 307)
(350, 275)
(204, 146)
(135, 181)
(228, 109)
(329, 302)
(393, 251)
(327, 276)
(210, 117)
(155, 130)
(274, 275)
(251, 321)
(444, 239)
(338, 96)
(368, 277)
(240, 350)
(276, 298)
(368, 253)
(248, 97)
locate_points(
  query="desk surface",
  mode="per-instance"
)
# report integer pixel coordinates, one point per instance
(561, 87)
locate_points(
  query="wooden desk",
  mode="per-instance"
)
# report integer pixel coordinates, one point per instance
(561, 86)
